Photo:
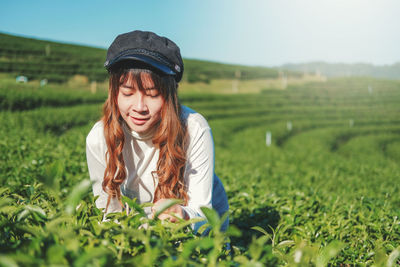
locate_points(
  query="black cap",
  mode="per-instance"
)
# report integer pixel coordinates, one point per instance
(149, 48)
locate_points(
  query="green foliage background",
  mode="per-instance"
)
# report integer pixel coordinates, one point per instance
(325, 191)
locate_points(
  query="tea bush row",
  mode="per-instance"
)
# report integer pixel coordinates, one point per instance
(324, 192)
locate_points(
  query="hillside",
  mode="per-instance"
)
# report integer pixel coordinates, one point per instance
(57, 62)
(340, 69)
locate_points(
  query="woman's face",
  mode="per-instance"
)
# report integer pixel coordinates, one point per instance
(141, 109)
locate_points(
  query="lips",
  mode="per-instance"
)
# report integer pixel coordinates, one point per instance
(139, 121)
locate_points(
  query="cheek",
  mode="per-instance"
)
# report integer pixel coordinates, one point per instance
(156, 107)
(122, 105)
(160, 108)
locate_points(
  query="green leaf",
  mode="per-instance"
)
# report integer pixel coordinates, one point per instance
(9, 209)
(393, 256)
(34, 210)
(133, 205)
(206, 243)
(285, 243)
(94, 222)
(166, 205)
(189, 247)
(53, 174)
(7, 261)
(328, 252)
(203, 228)
(3, 190)
(37, 210)
(212, 217)
(257, 246)
(233, 231)
(31, 229)
(55, 255)
(77, 193)
(178, 226)
(90, 255)
(54, 224)
(258, 228)
(4, 205)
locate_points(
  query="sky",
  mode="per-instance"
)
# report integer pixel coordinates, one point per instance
(248, 32)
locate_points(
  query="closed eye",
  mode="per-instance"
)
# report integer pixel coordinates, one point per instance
(126, 91)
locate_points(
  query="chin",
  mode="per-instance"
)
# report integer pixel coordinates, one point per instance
(140, 129)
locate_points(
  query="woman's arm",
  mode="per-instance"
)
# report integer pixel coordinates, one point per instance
(199, 171)
(199, 175)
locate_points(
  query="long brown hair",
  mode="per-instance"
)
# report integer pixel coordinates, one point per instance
(170, 137)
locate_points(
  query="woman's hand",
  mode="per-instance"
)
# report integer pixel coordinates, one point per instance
(175, 210)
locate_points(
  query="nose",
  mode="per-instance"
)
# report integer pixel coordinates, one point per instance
(139, 104)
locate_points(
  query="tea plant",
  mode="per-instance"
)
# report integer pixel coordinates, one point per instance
(325, 193)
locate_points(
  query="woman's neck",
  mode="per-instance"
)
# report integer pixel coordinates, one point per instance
(139, 136)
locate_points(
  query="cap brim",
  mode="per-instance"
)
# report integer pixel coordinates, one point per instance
(155, 64)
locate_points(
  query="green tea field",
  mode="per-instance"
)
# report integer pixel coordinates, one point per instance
(312, 175)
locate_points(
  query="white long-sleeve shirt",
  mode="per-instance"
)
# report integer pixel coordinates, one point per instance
(140, 156)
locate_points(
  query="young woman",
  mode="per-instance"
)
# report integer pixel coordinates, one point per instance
(147, 145)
